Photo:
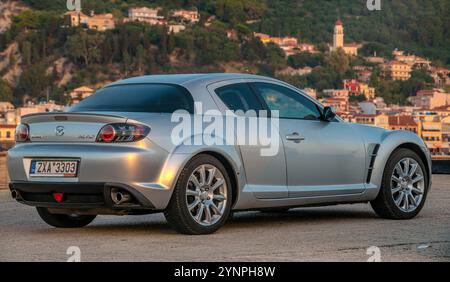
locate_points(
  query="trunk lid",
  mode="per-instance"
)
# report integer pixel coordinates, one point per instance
(68, 127)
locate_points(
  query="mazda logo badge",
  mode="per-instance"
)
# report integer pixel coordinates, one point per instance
(59, 131)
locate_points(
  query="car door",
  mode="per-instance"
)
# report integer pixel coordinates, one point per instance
(266, 175)
(323, 158)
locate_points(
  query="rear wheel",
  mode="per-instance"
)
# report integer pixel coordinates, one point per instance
(64, 220)
(404, 188)
(201, 201)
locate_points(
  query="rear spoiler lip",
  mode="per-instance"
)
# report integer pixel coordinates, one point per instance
(36, 118)
(70, 113)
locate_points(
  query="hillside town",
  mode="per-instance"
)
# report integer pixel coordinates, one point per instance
(427, 112)
(177, 20)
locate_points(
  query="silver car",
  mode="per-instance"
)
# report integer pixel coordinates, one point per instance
(114, 153)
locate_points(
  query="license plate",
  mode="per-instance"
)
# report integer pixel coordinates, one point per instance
(54, 168)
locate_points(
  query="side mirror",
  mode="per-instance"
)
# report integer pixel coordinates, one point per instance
(328, 114)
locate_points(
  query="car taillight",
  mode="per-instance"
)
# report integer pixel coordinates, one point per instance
(22, 133)
(112, 133)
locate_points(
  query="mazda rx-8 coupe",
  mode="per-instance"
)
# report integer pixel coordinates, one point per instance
(114, 153)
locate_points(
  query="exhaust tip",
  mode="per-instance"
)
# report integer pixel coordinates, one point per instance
(14, 194)
(120, 197)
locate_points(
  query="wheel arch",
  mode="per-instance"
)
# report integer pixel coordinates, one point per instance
(390, 142)
(229, 157)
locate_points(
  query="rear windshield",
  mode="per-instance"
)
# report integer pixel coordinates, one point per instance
(149, 98)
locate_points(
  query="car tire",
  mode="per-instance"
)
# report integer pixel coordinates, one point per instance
(64, 220)
(390, 202)
(182, 212)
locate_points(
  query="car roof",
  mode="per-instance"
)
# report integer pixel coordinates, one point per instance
(184, 79)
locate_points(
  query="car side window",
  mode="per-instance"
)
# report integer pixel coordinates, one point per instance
(289, 103)
(239, 97)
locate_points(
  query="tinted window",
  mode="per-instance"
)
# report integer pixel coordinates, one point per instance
(150, 98)
(239, 97)
(289, 103)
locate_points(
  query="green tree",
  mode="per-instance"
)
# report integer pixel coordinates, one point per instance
(85, 46)
(338, 62)
(26, 52)
(33, 83)
(6, 94)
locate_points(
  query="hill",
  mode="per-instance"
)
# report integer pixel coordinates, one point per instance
(41, 55)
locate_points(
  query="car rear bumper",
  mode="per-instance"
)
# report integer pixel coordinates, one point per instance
(137, 168)
(77, 195)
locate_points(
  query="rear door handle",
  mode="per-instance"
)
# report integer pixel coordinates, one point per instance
(296, 137)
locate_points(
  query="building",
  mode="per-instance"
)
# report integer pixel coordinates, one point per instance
(7, 132)
(144, 14)
(375, 60)
(430, 129)
(340, 104)
(397, 70)
(411, 60)
(304, 47)
(77, 18)
(441, 76)
(289, 45)
(367, 119)
(79, 94)
(396, 122)
(430, 99)
(337, 93)
(31, 108)
(358, 89)
(446, 136)
(368, 108)
(176, 28)
(7, 136)
(189, 16)
(99, 22)
(364, 75)
(339, 43)
(7, 113)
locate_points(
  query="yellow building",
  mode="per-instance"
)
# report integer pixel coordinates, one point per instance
(79, 94)
(99, 22)
(397, 70)
(430, 129)
(192, 16)
(446, 135)
(7, 132)
(339, 43)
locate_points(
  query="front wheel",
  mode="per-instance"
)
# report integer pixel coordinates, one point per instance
(64, 220)
(201, 201)
(404, 187)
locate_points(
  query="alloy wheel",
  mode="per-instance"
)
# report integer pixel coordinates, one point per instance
(206, 195)
(407, 185)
